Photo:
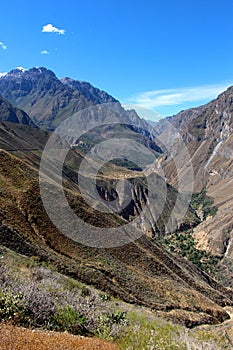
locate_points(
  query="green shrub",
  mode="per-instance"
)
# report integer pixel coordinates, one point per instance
(11, 306)
(143, 333)
(118, 317)
(184, 245)
(105, 297)
(206, 203)
(67, 319)
(111, 325)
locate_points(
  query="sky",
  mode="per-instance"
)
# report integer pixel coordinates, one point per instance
(164, 55)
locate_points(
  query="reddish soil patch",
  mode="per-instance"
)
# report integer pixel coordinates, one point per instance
(15, 338)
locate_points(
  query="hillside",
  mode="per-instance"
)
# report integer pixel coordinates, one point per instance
(136, 270)
(208, 134)
(8, 113)
(143, 272)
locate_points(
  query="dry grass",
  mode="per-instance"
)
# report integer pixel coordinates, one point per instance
(15, 338)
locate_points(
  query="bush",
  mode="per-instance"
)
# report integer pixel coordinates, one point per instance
(184, 245)
(11, 306)
(39, 306)
(45, 299)
(118, 317)
(206, 203)
(67, 319)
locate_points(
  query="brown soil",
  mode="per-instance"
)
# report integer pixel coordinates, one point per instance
(15, 338)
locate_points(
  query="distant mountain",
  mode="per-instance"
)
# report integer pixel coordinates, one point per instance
(208, 134)
(47, 99)
(8, 113)
(89, 91)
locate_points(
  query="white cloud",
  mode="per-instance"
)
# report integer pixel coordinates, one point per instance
(49, 28)
(166, 97)
(44, 52)
(3, 46)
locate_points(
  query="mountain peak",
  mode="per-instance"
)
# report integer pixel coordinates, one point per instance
(52, 99)
(21, 69)
(89, 91)
(16, 71)
(42, 70)
(27, 73)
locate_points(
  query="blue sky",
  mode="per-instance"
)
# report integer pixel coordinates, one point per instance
(166, 55)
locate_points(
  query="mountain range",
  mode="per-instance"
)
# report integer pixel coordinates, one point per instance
(47, 99)
(144, 272)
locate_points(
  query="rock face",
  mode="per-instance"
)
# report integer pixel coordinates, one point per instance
(207, 131)
(47, 99)
(208, 134)
(156, 220)
(89, 91)
(8, 113)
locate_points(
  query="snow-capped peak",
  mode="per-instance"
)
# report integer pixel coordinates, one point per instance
(21, 69)
(15, 71)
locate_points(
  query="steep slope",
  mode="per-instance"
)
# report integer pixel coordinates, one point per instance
(8, 113)
(18, 139)
(142, 272)
(28, 143)
(208, 134)
(47, 99)
(89, 91)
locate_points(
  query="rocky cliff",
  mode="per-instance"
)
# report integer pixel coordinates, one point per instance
(208, 134)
